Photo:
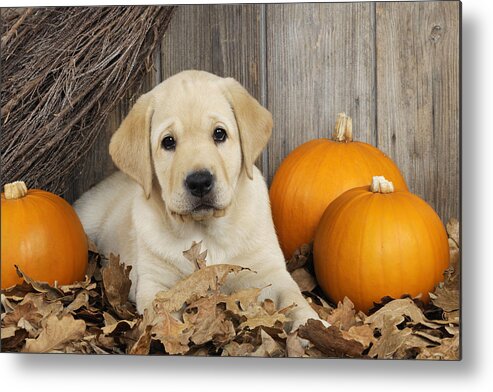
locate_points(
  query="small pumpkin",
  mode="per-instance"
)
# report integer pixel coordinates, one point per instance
(314, 174)
(42, 234)
(374, 242)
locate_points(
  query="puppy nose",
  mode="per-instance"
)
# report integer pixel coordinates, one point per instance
(199, 183)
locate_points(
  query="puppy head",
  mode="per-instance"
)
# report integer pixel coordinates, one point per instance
(194, 134)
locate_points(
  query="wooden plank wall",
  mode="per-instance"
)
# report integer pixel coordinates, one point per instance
(393, 66)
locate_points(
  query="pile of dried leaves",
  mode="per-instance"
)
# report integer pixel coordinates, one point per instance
(197, 318)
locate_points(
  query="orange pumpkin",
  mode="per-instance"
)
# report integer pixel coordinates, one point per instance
(314, 174)
(374, 241)
(42, 234)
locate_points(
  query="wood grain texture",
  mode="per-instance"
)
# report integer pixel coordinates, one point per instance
(417, 46)
(320, 61)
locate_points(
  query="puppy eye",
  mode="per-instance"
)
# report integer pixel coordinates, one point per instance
(219, 135)
(168, 143)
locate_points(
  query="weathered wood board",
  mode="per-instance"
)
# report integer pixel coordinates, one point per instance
(320, 62)
(417, 63)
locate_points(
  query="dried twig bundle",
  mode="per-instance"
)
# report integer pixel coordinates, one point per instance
(63, 71)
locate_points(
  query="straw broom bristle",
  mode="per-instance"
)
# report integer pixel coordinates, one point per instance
(63, 71)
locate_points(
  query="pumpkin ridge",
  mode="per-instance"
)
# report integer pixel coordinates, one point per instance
(364, 218)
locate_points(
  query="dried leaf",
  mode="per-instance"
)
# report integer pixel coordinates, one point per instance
(208, 321)
(143, 344)
(195, 256)
(32, 330)
(322, 311)
(56, 334)
(299, 258)
(268, 348)
(27, 311)
(17, 292)
(193, 287)
(116, 284)
(235, 349)
(113, 326)
(445, 298)
(51, 292)
(411, 347)
(85, 284)
(240, 302)
(256, 318)
(343, 317)
(8, 332)
(172, 333)
(304, 280)
(360, 333)
(81, 300)
(7, 305)
(13, 343)
(43, 307)
(429, 336)
(397, 310)
(392, 338)
(447, 350)
(294, 347)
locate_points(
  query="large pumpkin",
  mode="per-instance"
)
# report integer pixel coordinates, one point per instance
(314, 174)
(42, 234)
(373, 241)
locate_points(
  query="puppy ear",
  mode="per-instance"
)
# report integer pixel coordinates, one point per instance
(254, 122)
(130, 146)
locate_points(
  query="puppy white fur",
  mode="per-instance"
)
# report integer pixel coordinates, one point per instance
(147, 214)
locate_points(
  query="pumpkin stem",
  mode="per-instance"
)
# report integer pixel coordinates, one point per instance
(343, 131)
(15, 190)
(380, 185)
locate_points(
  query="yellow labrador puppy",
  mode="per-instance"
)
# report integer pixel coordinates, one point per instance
(186, 154)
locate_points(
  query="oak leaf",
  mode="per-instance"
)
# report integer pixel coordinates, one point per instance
(304, 280)
(172, 333)
(208, 321)
(195, 256)
(391, 337)
(448, 350)
(194, 286)
(56, 334)
(113, 326)
(299, 258)
(51, 293)
(343, 317)
(398, 309)
(268, 348)
(116, 284)
(235, 349)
